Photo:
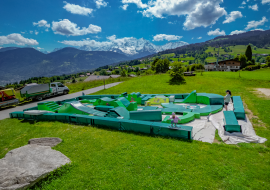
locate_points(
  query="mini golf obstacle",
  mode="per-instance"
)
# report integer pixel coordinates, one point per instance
(137, 112)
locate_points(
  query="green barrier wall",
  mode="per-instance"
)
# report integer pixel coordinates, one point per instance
(153, 128)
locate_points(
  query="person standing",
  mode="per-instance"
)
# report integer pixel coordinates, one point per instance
(174, 120)
(227, 99)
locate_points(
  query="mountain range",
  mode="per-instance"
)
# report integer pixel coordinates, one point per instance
(22, 63)
(132, 47)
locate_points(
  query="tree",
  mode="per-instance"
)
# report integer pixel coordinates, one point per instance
(123, 73)
(103, 72)
(73, 80)
(248, 53)
(243, 61)
(177, 73)
(166, 65)
(136, 69)
(158, 66)
(153, 64)
(268, 61)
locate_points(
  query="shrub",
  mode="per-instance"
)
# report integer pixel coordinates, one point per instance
(149, 72)
(177, 73)
(252, 67)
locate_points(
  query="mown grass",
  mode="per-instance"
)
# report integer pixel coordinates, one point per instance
(238, 49)
(108, 159)
(79, 86)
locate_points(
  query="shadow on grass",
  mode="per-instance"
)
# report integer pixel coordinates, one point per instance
(53, 176)
(114, 130)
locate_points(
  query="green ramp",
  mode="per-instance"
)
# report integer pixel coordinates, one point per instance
(48, 105)
(191, 98)
(118, 112)
(78, 108)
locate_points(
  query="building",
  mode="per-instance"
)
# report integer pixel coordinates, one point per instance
(88, 74)
(226, 65)
(115, 76)
(100, 77)
(82, 76)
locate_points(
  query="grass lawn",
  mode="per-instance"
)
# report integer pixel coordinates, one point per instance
(238, 49)
(107, 159)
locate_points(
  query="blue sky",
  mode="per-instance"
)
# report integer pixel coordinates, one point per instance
(49, 24)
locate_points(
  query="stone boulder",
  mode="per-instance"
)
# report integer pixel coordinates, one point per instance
(47, 141)
(24, 166)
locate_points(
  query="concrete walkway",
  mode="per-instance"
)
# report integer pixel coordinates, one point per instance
(5, 112)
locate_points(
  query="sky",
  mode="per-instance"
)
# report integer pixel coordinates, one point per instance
(49, 24)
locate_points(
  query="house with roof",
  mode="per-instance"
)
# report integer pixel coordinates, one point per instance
(100, 77)
(225, 65)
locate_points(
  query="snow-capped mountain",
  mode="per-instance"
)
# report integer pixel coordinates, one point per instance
(131, 46)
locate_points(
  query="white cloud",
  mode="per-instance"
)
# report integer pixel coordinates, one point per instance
(124, 7)
(36, 32)
(255, 24)
(198, 12)
(137, 2)
(39, 48)
(65, 27)
(47, 30)
(253, 7)
(237, 32)
(233, 16)
(199, 38)
(23, 32)
(77, 9)
(101, 3)
(216, 32)
(93, 43)
(174, 22)
(243, 3)
(31, 32)
(257, 29)
(241, 7)
(18, 39)
(161, 37)
(265, 1)
(42, 23)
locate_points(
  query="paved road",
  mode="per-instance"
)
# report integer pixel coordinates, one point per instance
(5, 112)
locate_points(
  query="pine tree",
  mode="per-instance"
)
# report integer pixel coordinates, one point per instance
(248, 53)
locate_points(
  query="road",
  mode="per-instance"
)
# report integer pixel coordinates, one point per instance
(5, 112)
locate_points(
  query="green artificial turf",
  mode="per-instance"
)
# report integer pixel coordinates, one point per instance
(107, 159)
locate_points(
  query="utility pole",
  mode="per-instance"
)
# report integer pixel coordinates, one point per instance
(239, 73)
(104, 83)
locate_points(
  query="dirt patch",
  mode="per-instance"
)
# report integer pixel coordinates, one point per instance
(264, 91)
(216, 141)
(251, 116)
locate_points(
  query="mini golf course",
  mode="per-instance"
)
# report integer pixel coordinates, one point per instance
(136, 112)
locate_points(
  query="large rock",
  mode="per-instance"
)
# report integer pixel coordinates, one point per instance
(24, 166)
(48, 141)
